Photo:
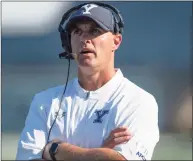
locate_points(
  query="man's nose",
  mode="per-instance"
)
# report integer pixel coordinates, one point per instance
(85, 37)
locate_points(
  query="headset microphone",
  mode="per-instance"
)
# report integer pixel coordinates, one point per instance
(66, 55)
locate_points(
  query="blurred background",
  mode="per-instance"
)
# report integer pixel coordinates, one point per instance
(155, 54)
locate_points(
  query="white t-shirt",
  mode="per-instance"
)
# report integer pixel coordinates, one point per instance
(86, 118)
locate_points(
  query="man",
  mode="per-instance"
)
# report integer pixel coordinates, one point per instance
(103, 116)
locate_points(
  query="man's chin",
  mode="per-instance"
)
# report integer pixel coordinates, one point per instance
(86, 63)
(87, 66)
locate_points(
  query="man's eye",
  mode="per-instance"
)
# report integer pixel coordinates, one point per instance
(76, 31)
(95, 31)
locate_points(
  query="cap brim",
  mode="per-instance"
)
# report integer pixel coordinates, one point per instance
(88, 17)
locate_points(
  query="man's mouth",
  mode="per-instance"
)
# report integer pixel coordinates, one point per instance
(87, 51)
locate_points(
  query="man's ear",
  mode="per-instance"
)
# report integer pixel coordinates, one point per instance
(117, 41)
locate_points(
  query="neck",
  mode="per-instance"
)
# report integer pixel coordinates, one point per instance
(95, 80)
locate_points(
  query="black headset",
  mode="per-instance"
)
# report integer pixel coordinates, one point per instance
(65, 35)
(65, 38)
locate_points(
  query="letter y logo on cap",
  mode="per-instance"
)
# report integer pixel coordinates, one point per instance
(88, 7)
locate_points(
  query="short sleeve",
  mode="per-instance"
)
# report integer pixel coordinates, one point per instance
(141, 118)
(33, 137)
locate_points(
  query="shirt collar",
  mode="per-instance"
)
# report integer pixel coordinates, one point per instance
(103, 92)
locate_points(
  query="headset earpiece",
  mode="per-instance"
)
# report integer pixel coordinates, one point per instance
(120, 23)
(65, 41)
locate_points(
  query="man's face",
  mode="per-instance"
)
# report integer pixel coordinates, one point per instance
(93, 46)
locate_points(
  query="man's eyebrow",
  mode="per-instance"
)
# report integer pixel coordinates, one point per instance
(73, 27)
(77, 26)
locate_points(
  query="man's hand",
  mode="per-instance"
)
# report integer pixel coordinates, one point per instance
(117, 136)
(46, 154)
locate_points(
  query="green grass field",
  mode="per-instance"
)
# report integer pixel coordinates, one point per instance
(171, 146)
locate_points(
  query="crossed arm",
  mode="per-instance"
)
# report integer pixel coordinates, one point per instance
(71, 152)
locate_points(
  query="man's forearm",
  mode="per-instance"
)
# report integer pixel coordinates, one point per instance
(71, 152)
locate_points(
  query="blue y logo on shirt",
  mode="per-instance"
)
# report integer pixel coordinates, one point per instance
(100, 114)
